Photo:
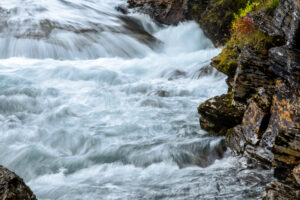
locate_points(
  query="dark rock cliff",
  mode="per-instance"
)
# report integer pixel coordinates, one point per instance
(214, 16)
(12, 187)
(260, 115)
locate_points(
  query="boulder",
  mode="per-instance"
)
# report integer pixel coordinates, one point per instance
(12, 187)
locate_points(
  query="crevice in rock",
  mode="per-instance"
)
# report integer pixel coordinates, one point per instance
(297, 39)
(264, 124)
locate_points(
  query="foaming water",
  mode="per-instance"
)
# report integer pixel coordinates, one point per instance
(103, 106)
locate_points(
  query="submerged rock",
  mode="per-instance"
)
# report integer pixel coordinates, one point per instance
(177, 74)
(12, 187)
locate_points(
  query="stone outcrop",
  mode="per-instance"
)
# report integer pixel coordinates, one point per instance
(214, 16)
(12, 187)
(266, 79)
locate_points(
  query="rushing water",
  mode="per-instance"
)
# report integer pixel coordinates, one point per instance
(96, 104)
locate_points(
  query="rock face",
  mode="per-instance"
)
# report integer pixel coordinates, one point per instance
(214, 16)
(12, 187)
(266, 80)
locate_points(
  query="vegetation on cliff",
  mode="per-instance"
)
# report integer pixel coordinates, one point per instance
(244, 33)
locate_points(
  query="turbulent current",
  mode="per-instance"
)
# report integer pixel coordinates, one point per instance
(97, 104)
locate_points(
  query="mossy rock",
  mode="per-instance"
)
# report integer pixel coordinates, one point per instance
(259, 43)
(219, 114)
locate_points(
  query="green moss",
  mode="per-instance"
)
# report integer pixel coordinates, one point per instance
(272, 5)
(226, 62)
(258, 41)
(228, 100)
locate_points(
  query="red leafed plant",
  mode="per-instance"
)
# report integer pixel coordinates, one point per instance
(244, 25)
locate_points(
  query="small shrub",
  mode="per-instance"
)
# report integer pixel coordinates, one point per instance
(244, 25)
(241, 23)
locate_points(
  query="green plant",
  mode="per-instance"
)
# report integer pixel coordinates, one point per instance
(241, 23)
(244, 11)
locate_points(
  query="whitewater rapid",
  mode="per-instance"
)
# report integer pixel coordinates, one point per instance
(96, 104)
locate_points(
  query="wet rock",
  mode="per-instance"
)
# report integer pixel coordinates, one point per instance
(296, 174)
(12, 187)
(162, 93)
(235, 140)
(285, 63)
(252, 123)
(245, 138)
(259, 153)
(209, 155)
(286, 148)
(177, 74)
(122, 8)
(219, 114)
(284, 112)
(279, 191)
(284, 22)
(206, 71)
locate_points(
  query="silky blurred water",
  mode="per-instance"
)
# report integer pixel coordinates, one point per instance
(96, 104)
